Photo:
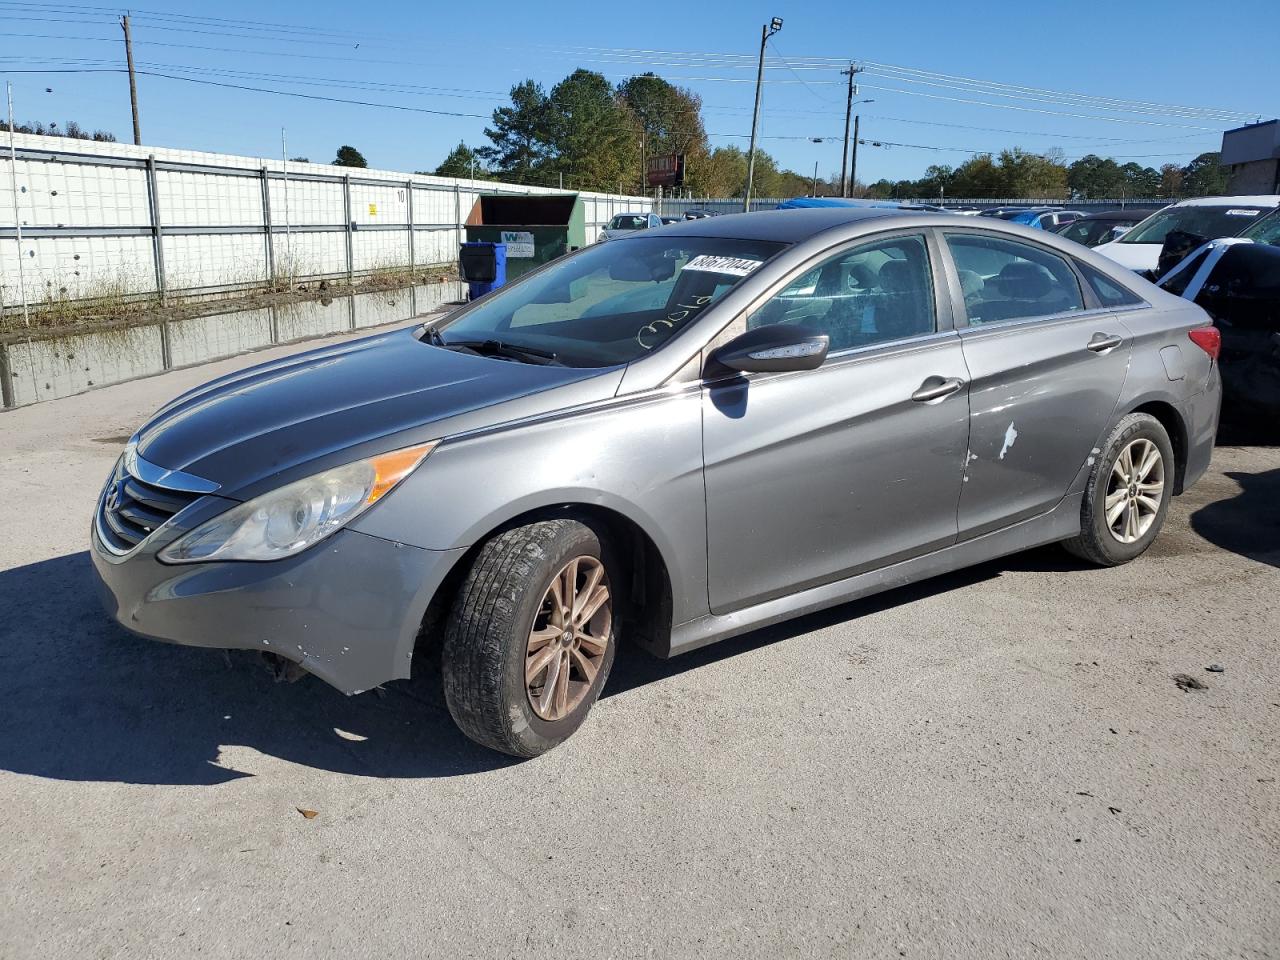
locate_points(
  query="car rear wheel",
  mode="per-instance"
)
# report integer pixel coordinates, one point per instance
(532, 636)
(1127, 495)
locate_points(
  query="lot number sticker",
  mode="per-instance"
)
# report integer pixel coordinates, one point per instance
(519, 243)
(733, 266)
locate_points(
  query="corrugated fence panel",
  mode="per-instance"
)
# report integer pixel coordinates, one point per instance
(86, 212)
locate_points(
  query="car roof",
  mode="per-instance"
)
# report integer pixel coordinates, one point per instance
(1134, 215)
(1268, 200)
(785, 226)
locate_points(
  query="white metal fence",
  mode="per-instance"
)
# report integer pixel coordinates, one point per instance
(108, 219)
(677, 207)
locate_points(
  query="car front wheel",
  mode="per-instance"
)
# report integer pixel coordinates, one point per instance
(1127, 495)
(531, 636)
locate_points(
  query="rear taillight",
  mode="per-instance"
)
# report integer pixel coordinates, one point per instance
(1208, 339)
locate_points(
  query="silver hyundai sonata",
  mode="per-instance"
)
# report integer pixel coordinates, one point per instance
(671, 438)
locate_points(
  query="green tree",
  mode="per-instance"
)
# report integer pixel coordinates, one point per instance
(1140, 181)
(461, 162)
(593, 136)
(1170, 181)
(521, 133)
(722, 173)
(1092, 177)
(1032, 175)
(669, 119)
(1204, 176)
(349, 156)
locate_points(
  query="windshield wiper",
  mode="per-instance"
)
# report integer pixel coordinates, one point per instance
(501, 349)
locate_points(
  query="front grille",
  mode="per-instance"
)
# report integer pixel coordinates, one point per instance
(131, 510)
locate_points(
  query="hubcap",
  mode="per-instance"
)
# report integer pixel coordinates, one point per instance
(569, 638)
(1135, 491)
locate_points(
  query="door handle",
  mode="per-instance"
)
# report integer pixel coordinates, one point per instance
(1101, 342)
(936, 388)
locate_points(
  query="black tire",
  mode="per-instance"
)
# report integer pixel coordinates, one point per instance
(485, 641)
(1096, 542)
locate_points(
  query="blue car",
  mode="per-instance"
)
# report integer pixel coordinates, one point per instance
(1044, 218)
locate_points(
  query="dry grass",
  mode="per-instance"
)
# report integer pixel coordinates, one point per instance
(110, 306)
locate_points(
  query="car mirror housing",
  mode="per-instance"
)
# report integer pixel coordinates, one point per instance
(772, 349)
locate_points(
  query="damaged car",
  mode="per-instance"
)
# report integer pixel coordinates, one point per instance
(1237, 281)
(676, 437)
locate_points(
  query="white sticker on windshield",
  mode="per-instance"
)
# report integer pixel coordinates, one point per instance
(1243, 213)
(733, 266)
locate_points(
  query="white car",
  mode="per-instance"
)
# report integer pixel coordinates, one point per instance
(1208, 217)
(625, 223)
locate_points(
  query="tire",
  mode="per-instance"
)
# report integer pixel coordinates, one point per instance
(1109, 544)
(512, 588)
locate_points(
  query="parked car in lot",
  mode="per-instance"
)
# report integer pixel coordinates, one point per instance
(1237, 281)
(671, 438)
(698, 214)
(1205, 218)
(625, 223)
(667, 221)
(1095, 228)
(1045, 219)
(1008, 213)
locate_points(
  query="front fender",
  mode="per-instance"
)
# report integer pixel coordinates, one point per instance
(638, 457)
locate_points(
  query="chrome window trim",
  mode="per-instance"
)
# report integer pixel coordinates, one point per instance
(1052, 318)
(158, 476)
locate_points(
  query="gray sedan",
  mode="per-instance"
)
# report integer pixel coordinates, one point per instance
(668, 439)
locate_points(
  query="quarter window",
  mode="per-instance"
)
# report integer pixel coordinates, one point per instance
(1109, 292)
(1008, 280)
(870, 294)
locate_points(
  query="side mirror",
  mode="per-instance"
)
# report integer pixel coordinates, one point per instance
(772, 349)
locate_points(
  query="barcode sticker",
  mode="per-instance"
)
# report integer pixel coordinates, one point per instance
(733, 266)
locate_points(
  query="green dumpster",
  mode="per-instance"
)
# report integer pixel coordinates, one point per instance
(535, 229)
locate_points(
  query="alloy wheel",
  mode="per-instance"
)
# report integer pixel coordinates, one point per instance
(569, 638)
(1135, 490)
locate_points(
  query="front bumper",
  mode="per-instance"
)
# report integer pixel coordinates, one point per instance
(348, 610)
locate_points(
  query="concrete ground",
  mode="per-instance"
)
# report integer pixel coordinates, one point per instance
(997, 763)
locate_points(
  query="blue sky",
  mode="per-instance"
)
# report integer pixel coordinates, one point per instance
(963, 77)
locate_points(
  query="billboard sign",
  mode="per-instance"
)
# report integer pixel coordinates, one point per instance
(666, 170)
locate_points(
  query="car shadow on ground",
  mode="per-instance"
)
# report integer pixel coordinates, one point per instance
(81, 699)
(1248, 523)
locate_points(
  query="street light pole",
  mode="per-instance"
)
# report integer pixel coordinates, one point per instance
(766, 32)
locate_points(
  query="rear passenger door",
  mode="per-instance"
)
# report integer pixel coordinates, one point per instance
(1046, 364)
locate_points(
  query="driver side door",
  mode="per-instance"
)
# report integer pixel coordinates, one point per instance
(814, 476)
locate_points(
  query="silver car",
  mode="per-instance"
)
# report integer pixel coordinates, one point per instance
(668, 439)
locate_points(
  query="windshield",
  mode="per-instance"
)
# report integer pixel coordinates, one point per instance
(1266, 230)
(1208, 222)
(610, 303)
(628, 221)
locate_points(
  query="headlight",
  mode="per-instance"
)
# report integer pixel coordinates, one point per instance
(289, 520)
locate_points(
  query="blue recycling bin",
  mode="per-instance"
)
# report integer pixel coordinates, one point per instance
(484, 266)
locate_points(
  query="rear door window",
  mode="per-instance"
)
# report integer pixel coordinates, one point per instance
(1008, 280)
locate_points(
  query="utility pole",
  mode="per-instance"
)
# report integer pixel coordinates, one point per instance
(766, 31)
(133, 81)
(815, 178)
(853, 164)
(845, 185)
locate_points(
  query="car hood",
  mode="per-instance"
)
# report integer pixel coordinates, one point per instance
(311, 407)
(1135, 256)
